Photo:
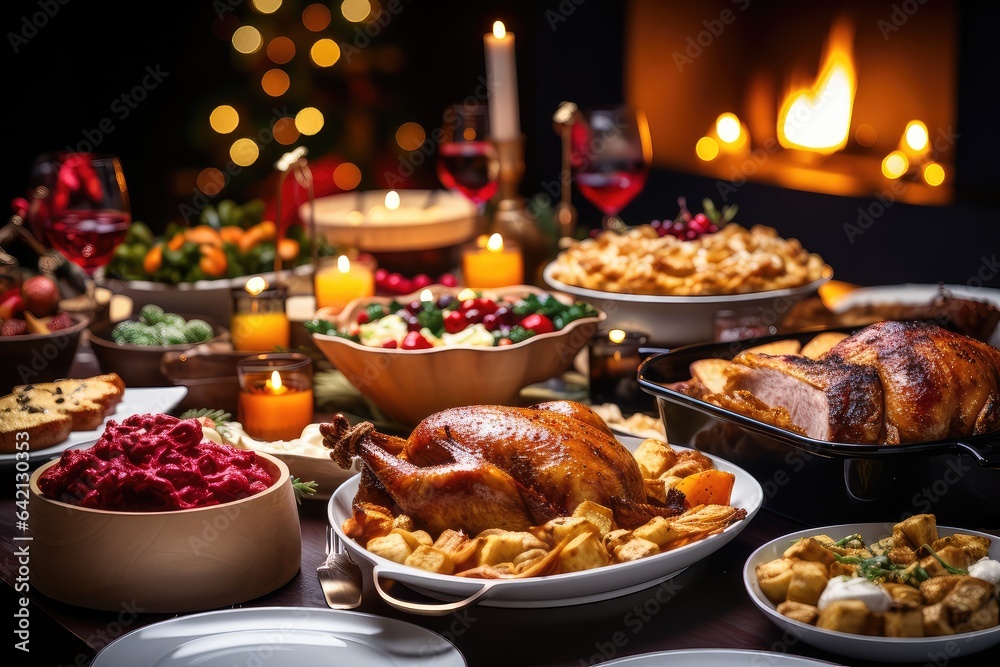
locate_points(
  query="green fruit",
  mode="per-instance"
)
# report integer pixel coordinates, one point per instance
(139, 232)
(197, 331)
(150, 314)
(170, 335)
(134, 333)
(173, 320)
(230, 214)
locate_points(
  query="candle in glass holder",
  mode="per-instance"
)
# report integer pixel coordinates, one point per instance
(337, 284)
(276, 395)
(614, 358)
(492, 263)
(259, 322)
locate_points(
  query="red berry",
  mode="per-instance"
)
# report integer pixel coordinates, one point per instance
(393, 282)
(538, 323)
(41, 295)
(390, 345)
(14, 328)
(505, 341)
(454, 321)
(60, 321)
(421, 280)
(415, 341)
(448, 280)
(363, 317)
(381, 275)
(491, 322)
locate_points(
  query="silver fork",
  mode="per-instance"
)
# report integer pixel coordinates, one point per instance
(339, 576)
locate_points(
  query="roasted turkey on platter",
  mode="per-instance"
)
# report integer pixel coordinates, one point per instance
(484, 467)
(891, 383)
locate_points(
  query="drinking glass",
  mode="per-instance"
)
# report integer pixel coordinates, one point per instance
(610, 157)
(468, 162)
(81, 205)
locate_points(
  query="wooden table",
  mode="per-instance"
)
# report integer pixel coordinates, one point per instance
(706, 606)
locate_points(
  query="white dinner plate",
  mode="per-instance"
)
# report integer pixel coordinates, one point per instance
(280, 637)
(864, 647)
(135, 401)
(558, 590)
(917, 294)
(715, 657)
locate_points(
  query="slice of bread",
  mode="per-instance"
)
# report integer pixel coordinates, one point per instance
(49, 411)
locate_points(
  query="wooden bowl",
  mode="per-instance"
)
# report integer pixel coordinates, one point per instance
(166, 562)
(409, 385)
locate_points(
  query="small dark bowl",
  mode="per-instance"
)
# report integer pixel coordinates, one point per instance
(139, 365)
(31, 358)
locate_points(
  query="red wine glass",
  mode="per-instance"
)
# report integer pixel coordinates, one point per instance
(468, 162)
(610, 155)
(81, 204)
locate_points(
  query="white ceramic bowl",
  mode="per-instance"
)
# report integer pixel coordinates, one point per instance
(920, 650)
(572, 588)
(670, 321)
(409, 385)
(166, 562)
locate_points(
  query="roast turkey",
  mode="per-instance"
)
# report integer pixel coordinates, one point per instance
(488, 466)
(889, 383)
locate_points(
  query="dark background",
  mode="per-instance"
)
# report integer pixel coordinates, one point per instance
(63, 81)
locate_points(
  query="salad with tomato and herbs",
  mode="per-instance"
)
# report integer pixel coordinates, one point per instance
(478, 320)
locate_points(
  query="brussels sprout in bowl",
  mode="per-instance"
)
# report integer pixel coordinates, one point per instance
(133, 348)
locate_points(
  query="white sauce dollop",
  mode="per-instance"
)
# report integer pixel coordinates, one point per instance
(855, 588)
(987, 569)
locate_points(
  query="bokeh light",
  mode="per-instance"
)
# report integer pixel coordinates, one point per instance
(285, 132)
(707, 149)
(866, 135)
(355, 11)
(247, 39)
(933, 173)
(410, 136)
(325, 52)
(347, 176)
(244, 152)
(309, 120)
(895, 164)
(266, 6)
(728, 127)
(275, 82)
(316, 17)
(224, 119)
(210, 181)
(280, 50)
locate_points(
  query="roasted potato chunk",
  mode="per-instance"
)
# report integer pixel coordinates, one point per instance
(774, 577)
(654, 457)
(915, 531)
(392, 547)
(845, 616)
(799, 611)
(584, 552)
(936, 622)
(809, 578)
(635, 549)
(597, 514)
(974, 546)
(985, 617)
(936, 588)
(904, 595)
(903, 623)
(810, 549)
(431, 559)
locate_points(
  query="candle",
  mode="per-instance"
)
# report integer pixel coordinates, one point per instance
(501, 77)
(276, 395)
(613, 360)
(491, 263)
(259, 322)
(338, 284)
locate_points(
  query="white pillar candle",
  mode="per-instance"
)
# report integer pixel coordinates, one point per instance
(501, 76)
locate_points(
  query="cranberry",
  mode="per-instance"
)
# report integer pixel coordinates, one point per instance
(538, 323)
(448, 280)
(381, 275)
(390, 345)
(421, 280)
(415, 306)
(504, 315)
(491, 322)
(363, 317)
(473, 315)
(486, 305)
(414, 341)
(393, 282)
(454, 321)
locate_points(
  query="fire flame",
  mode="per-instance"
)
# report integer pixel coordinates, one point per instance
(818, 117)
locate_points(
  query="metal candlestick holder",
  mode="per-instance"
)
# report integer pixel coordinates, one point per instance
(512, 219)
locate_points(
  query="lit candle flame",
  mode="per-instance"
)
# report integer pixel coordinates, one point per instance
(274, 384)
(915, 136)
(499, 31)
(256, 285)
(616, 335)
(727, 126)
(343, 264)
(495, 243)
(392, 200)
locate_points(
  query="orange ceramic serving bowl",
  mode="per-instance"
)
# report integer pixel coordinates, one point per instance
(409, 385)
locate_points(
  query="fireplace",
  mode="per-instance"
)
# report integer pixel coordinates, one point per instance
(847, 98)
